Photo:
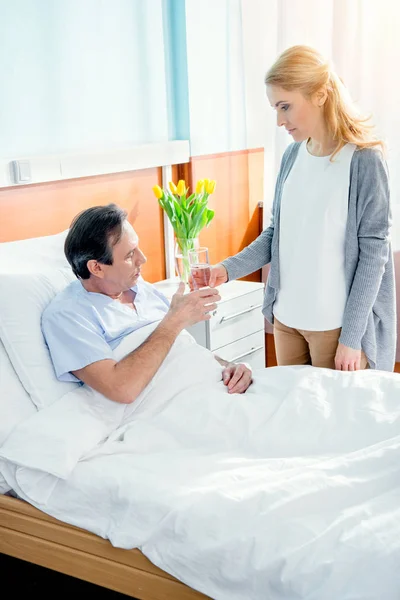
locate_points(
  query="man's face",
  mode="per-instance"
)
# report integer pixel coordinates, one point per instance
(127, 261)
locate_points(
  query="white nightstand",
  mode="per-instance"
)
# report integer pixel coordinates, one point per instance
(236, 331)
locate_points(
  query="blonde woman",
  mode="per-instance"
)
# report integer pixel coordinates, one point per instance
(330, 292)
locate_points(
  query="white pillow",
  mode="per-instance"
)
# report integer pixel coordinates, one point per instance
(30, 254)
(15, 404)
(23, 297)
(24, 264)
(33, 254)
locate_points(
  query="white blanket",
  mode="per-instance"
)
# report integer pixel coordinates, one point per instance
(289, 491)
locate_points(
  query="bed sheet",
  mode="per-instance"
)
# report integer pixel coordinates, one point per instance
(289, 491)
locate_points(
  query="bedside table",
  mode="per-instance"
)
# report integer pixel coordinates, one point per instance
(236, 332)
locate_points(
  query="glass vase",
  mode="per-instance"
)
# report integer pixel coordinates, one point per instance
(182, 248)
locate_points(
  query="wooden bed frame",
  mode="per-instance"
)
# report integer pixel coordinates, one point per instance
(28, 534)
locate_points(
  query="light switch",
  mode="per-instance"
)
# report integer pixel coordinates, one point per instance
(20, 171)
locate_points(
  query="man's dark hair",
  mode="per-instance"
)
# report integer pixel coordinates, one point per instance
(92, 236)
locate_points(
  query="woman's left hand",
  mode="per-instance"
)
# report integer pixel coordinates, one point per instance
(347, 359)
(237, 377)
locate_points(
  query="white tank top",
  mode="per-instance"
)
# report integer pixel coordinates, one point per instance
(314, 208)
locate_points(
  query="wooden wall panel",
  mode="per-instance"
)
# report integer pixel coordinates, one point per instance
(239, 177)
(270, 356)
(44, 209)
(256, 177)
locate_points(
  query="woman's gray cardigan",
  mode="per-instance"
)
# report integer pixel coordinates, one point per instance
(369, 320)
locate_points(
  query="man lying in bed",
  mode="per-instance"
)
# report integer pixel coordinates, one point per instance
(88, 319)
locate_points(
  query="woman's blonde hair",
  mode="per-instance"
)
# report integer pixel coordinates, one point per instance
(302, 68)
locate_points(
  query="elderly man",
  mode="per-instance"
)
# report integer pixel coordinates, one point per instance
(86, 321)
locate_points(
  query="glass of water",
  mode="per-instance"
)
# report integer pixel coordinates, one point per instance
(199, 267)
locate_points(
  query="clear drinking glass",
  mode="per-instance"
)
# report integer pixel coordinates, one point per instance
(199, 267)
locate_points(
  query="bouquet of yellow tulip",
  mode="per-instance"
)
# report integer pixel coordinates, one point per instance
(187, 214)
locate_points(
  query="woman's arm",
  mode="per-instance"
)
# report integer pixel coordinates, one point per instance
(373, 204)
(253, 257)
(259, 253)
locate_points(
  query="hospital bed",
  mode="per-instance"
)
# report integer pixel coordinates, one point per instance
(27, 533)
(296, 491)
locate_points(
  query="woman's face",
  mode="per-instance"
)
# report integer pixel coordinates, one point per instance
(299, 116)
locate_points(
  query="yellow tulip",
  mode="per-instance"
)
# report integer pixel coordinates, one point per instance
(158, 192)
(206, 182)
(181, 187)
(200, 186)
(210, 187)
(172, 187)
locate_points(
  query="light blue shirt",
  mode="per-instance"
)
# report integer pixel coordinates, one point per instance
(82, 327)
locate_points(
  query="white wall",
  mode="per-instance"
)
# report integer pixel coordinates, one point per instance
(229, 44)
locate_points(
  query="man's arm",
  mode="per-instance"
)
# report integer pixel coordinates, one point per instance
(236, 376)
(123, 381)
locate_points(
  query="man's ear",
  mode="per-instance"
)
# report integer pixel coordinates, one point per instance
(95, 268)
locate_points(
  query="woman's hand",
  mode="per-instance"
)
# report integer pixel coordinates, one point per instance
(237, 377)
(347, 359)
(218, 275)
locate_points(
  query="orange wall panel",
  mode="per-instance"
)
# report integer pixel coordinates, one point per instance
(239, 177)
(45, 209)
(256, 177)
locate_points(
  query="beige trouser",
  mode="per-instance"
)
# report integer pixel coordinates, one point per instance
(300, 347)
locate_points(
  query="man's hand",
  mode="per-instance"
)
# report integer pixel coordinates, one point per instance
(347, 359)
(237, 377)
(188, 309)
